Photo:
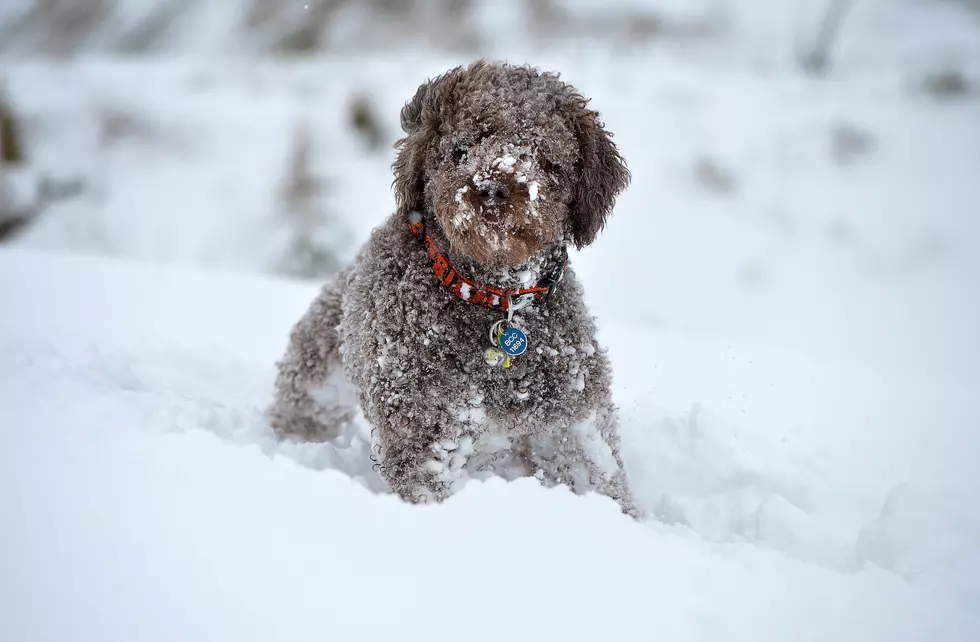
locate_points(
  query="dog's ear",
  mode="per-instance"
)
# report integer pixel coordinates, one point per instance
(411, 116)
(602, 174)
(420, 119)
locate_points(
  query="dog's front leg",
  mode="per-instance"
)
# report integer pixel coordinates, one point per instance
(584, 455)
(313, 400)
(598, 438)
(422, 460)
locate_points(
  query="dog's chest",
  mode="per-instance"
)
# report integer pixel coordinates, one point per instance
(418, 341)
(536, 385)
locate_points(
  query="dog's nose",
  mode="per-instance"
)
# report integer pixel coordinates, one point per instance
(493, 193)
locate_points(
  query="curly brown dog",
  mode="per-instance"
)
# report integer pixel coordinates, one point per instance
(460, 329)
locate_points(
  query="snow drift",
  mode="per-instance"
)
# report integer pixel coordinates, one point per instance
(145, 498)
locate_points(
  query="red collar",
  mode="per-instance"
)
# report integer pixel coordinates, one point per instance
(488, 296)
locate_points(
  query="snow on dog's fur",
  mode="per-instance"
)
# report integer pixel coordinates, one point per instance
(508, 166)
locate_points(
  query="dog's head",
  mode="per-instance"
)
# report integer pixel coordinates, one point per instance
(509, 159)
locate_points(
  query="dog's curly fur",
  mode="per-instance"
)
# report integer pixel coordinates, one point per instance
(507, 165)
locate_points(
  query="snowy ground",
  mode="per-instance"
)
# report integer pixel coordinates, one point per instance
(147, 499)
(796, 355)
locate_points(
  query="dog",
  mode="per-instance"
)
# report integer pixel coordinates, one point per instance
(460, 330)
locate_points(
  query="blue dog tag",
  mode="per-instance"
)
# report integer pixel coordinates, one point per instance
(512, 341)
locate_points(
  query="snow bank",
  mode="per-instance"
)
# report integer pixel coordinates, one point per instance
(145, 498)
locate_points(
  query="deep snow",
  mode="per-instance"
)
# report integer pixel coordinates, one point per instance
(145, 497)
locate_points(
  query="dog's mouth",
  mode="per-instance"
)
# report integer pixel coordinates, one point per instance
(503, 235)
(491, 216)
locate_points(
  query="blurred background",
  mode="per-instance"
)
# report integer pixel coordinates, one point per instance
(806, 173)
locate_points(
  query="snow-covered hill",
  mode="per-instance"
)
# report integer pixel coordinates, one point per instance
(144, 497)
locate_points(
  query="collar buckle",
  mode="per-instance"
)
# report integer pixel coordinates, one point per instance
(552, 280)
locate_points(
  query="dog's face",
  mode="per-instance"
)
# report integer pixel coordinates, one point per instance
(500, 187)
(509, 160)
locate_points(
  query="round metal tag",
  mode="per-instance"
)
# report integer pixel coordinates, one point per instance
(512, 341)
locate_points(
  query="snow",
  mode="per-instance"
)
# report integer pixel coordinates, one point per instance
(787, 293)
(147, 498)
(532, 190)
(505, 163)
